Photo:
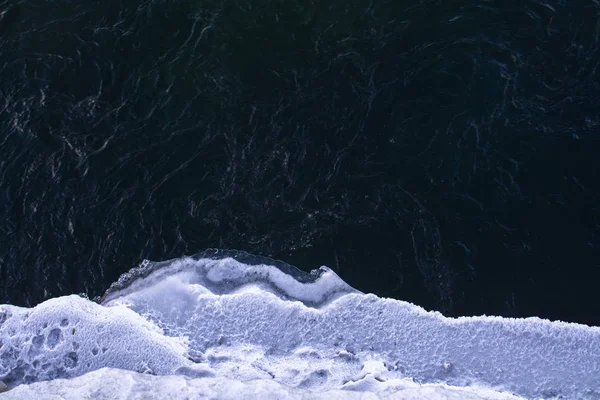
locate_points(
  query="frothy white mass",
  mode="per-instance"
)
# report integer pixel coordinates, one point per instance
(210, 327)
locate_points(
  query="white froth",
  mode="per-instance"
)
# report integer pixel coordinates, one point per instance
(230, 270)
(120, 385)
(69, 336)
(257, 327)
(229, 275)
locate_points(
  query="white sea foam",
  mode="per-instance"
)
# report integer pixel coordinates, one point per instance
(117, 384)
(200, 321)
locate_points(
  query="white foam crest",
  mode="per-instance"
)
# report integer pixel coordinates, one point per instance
(228, 320)
(530, 357)
(226, 275)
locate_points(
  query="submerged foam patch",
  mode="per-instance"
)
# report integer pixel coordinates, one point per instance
(207, 318)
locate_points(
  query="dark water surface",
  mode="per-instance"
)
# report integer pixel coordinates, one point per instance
(442, 152)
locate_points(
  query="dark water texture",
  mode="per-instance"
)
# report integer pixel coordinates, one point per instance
(440, 152)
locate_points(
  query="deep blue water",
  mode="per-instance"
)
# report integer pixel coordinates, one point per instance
(440, 152)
